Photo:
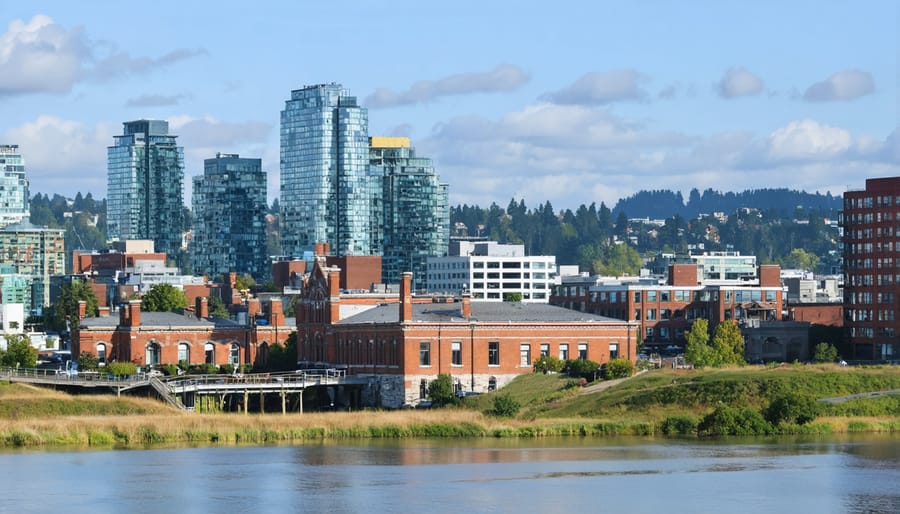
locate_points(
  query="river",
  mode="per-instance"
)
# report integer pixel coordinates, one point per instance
(839, 475)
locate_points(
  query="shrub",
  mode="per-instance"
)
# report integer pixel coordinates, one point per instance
(582, 368)
(619, 368)
(169, 370)
(440, 391)
(825, 352)
(549, 364)
(87, 361)
(726, 420)
(226, 369)
(122, 369)
(505, 406)
(792, 408)
(679, 425)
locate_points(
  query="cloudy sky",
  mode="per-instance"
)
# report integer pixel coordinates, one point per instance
(569, 101)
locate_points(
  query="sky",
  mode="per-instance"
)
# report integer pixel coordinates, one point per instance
(570, 102)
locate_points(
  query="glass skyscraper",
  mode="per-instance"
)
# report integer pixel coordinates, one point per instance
(145, 198)
(229, 206)
(327, 190)
(13, 186)
(415, 213)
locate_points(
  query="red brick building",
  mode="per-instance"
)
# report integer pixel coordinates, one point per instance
(871, 254)
(405, 343)
(151, 338)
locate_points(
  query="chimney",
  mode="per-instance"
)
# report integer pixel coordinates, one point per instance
(467, 305)
(253, 307)
(276, 313)
(134, 314)
(334, 295)
(405, 297)
(82, 309)
(202, 307)
(232, 280)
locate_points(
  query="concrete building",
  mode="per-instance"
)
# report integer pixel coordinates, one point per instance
(327, 190)
(490, 271)
(406, 343)
(14, 195)
(229, 209)
(36, 253)
(871, 256)
(415, 212)
(145, 198)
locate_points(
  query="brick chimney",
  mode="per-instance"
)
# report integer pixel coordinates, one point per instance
(467, 305)
(232, 280)
(130, 314)
(202, 307)
(405, 297)
(334, 295)
(276, 313)
(253, 307)
(82, 309)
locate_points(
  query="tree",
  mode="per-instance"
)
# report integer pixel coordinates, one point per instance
(801, 259)
(217, 308)
(19, 352)
(64, 313)
(163, 298)
(505, 406)
(825, 352)
(619, 368)
(728, 344)
(512, 297)
(792, 408)
(87, 361)
(244, 282)
(697, 352)
(440, 391)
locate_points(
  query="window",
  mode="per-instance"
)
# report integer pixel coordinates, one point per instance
(235, 356)
(493, 353)
(423, 389)
(545, 349)
(613, 350)
(210, 351)
(564, 352)
(184, 353)
(637, 297)
(582, 351)
(101, 353)
(524, 355)
(456, 353)
(152, 354)
(424, 353)
(651, 314)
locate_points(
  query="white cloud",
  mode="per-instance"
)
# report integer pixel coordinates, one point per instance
(41, 56)
(601, 87)
(505, 77)
(56, 150)
(808, 140)
(739, 82)
(154, 100)
(843, 85)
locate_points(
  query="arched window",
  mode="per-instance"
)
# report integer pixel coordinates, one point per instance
(152, 353)
(262, 355)
(101, 353)
(184, 353)
(235, 356)
(210, 350)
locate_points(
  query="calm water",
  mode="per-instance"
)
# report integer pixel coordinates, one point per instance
(566, 476)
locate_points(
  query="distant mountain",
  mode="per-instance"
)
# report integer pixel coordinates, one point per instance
(661, 204)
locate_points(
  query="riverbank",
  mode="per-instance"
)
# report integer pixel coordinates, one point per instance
(659, 403)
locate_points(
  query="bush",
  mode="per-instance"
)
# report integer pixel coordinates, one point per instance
(87, 361)
(122, 369)
(226, 369)
(549, 364)
(582, 368)
(825, 352)
(440, 391)
(792, 408)
(732, 421)
(679, 425)
(505, 406)
(619, 368)
(169, 370)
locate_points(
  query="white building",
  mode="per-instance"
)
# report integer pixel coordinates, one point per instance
(490, 271)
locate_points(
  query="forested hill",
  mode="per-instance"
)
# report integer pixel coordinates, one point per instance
(661, 204)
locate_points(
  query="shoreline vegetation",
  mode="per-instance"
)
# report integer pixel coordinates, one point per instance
(753, 400)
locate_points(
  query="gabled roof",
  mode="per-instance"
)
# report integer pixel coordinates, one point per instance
(482, 312)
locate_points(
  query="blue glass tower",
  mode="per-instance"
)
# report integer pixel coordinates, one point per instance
(13, 186)
(326, 187)
(145, 198)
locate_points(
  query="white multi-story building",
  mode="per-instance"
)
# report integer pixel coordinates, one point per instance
(13, 186)
(491, 271)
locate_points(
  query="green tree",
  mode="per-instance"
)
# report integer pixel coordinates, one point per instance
(792, 408)
(243, 282)
(163, 298)
(64, 312)
(217, 307)
(87, 361)
(728, 344)
(549, 364)
(19, 352)
(512, 297)
(618, 260)
(505, 406)
(583, 368)
(825, 352)
(440, 391)
(619, 368)
(801, 259)
(698, 351)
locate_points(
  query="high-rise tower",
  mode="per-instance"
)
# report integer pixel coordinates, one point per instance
(415, 213)
(13, 186)
(229, 206)
(327, 190)
(145, 185)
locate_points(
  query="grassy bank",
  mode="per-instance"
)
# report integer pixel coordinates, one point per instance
(653, 404)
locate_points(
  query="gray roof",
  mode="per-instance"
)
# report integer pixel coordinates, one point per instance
(485, 312)
(162, 320)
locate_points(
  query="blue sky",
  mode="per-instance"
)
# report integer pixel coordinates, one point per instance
(567, 102)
